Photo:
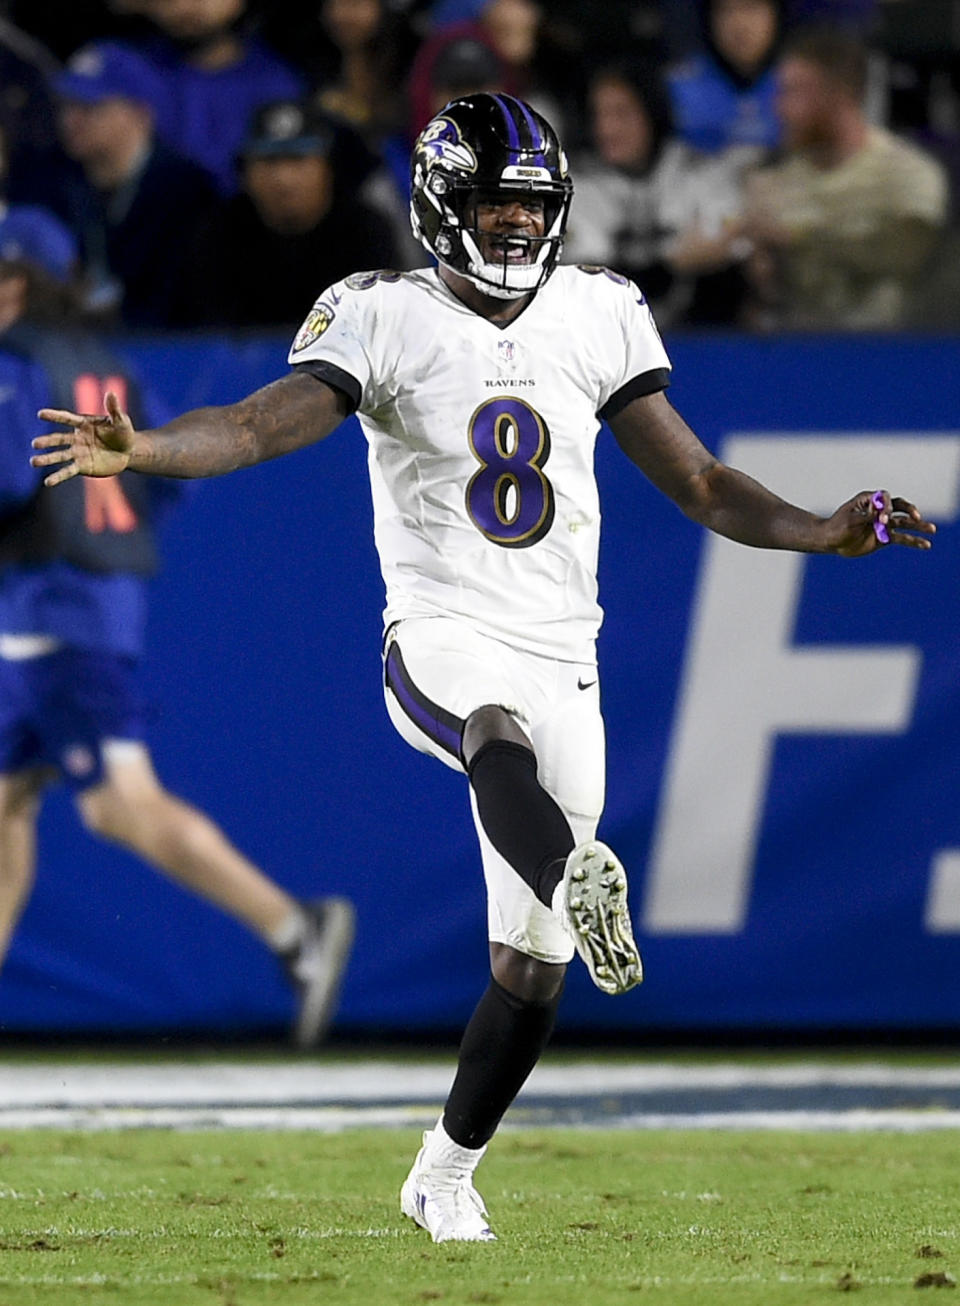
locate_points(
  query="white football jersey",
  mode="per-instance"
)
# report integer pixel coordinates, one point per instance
(481, 441)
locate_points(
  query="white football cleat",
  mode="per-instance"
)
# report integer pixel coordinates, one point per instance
(591, 901)
(443, 1200)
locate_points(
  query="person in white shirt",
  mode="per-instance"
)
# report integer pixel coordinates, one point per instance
(653, 206)
(480, 386)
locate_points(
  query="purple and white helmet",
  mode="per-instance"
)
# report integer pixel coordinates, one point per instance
(486, 145)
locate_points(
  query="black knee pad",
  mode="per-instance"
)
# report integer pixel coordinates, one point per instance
(521, 820)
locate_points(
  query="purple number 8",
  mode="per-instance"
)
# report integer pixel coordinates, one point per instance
(509, 499)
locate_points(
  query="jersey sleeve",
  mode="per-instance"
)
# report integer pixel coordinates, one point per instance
(639, 363)
(332, 342)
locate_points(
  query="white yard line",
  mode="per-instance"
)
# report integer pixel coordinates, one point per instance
(336, 1120)
(857, 1120)
(334, 1096)
(325, 1120)
(69, 1084)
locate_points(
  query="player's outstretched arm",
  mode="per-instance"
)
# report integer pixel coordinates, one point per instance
(654, 436)
(285, 415)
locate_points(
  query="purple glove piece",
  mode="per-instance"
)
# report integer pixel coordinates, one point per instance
(879, 529)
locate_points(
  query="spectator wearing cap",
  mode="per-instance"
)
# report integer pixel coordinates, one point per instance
(214, 74)
(288, 234)
(129, 200)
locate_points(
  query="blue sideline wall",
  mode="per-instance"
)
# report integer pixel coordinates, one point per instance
(783, 733)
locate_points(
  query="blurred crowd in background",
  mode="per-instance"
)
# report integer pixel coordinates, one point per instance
(765, 165)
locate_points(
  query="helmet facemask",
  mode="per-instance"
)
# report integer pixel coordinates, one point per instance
(492, 262)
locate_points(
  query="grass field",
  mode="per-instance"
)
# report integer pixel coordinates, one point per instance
(157, 1218)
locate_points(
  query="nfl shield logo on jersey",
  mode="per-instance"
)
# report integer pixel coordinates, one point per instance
(507, 352)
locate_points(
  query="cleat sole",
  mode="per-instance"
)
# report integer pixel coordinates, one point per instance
(597, 916)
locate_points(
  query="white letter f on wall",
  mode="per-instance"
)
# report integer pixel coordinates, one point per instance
(744, 683)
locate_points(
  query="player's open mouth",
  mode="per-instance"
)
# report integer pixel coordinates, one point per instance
(513, 249)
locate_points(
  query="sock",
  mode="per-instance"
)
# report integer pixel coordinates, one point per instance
(287, 936)
(440, 1150)
(521, 820)
(503, 1041)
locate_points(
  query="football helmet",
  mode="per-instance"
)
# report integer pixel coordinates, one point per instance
(487, 146)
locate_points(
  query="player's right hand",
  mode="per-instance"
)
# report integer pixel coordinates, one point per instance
(94, 446)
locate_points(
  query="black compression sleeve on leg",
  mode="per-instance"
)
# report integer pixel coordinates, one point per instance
(501, 1044)
(521, 820)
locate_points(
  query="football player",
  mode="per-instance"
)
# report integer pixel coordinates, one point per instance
(74, 576)
(480, 384)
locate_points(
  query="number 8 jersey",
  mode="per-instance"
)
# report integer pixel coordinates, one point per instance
(481, 441)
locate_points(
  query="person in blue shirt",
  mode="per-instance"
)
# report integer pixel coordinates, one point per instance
(74, 571)
(214, 76)
(725, 96)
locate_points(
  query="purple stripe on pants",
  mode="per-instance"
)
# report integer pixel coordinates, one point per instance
(436, 722)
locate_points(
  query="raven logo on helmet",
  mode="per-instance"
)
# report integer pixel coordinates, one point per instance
(440, 142)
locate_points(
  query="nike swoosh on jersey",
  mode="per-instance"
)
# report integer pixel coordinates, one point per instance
(588, 685)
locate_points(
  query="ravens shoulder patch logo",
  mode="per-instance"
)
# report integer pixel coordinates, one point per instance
(318, 320)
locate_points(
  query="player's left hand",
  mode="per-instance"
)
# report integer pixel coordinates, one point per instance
(859, 526)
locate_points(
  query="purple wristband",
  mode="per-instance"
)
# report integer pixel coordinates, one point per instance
(879, 529)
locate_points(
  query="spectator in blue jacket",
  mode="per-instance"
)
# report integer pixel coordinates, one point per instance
(725, 96)
(74, 570)
(215, 75)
